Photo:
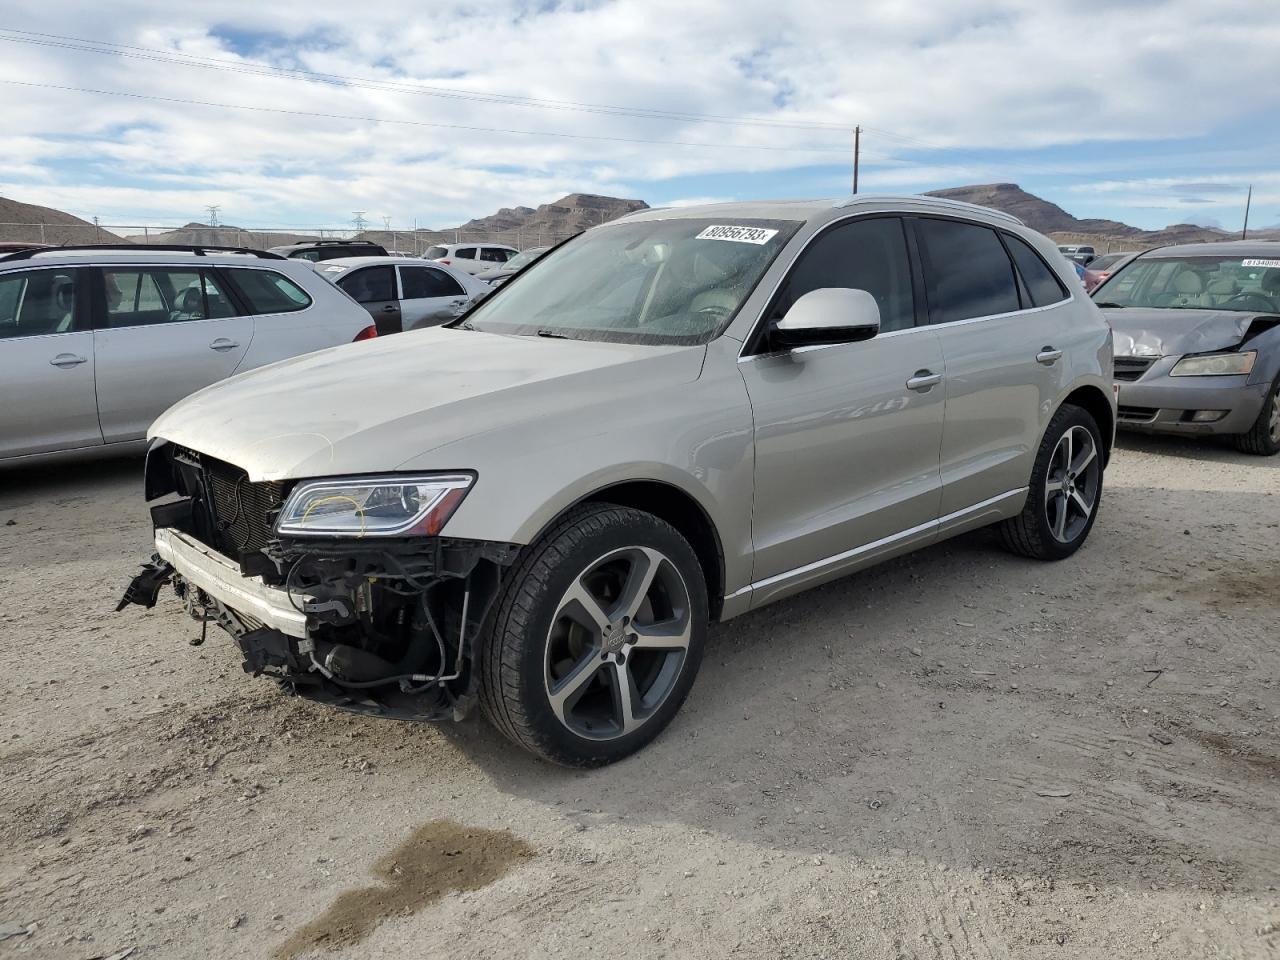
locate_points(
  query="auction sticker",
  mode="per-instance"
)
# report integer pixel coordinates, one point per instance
(756, 235)
(1260, 263)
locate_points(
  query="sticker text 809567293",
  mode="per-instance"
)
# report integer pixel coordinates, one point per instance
(756, 235)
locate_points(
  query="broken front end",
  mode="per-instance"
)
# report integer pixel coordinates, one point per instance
(340, 588)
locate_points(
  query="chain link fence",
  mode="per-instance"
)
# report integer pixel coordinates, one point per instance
(415, 242)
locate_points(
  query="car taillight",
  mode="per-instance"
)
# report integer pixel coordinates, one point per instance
(445, 262)
(368, 333)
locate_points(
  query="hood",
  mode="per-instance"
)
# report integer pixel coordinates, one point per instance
(1157, 332)
(496, 272)
(372, 406)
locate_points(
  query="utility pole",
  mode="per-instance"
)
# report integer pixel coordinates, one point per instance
(857, 149)
(386, 223)
(358, 220)
(1248, 202)
(213, 214)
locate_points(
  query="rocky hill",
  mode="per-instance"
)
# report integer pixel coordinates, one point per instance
(1049, 218)
(522, 226)
(30, 223)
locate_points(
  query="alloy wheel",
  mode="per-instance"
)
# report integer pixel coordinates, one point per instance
(1274, 425)
(1072, 484)
(617, 643)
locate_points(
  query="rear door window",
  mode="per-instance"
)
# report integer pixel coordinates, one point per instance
(265, 291)
(36, 303)
(466, 253)
(421, 283)
(967, 272)
(145, 296)
(371, 284)
(494, 254)
(1041, 282)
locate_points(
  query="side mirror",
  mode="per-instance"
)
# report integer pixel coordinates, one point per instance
(829, 315)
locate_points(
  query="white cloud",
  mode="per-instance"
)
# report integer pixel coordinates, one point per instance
(967, 75)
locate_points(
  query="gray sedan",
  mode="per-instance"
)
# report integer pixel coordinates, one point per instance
(1197, 341)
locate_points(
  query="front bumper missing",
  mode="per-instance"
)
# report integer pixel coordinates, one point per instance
(223, 581)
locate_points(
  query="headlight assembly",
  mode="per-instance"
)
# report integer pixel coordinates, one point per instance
(390, 506)
(1215, 365)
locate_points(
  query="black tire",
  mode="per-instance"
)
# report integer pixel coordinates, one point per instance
(1031, 534)
(1263, 438)
(515, 680)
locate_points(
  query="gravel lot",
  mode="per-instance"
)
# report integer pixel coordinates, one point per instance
(959, 754)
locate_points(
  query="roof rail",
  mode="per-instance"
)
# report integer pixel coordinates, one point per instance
(958, 205)
(199, 250)
(325, 243)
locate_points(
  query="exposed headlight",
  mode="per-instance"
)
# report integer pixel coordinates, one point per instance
(396, 506)
(1215, 365)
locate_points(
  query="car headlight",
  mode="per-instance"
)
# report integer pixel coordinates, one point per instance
(393, 506)
(1215, 365)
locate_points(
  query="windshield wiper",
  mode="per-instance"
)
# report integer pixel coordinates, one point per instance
(552, 335)
(1108, 303)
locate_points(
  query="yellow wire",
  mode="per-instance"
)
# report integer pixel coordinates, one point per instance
(338, 496)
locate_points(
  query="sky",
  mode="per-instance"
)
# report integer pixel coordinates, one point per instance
(298, 115)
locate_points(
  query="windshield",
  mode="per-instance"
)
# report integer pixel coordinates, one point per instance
(655, 281)
(1246, 284)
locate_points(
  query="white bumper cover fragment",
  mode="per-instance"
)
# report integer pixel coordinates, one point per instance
(221, 579)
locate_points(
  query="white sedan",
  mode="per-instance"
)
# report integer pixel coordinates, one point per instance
(404, 295)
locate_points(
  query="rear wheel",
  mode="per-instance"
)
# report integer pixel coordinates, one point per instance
(1065, 489)
(1263, 438)
(596, 638)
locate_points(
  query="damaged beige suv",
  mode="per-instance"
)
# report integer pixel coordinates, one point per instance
(673, 418)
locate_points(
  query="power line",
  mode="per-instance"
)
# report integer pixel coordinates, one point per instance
(419, 123)
(291, 73)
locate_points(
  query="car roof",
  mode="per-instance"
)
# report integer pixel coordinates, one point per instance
(352, 262)
(819, 210)
(474, 243)
(320, 244)
(1220, 248)
(141, 253)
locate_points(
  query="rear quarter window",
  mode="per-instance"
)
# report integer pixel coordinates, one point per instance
(265, 291)
(1042, 283)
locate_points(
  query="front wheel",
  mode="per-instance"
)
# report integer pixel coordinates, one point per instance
(1065, 489)
(1263, 439)
(596, 638)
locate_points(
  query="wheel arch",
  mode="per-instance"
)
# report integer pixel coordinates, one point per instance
(676, 506)
(1094, 400)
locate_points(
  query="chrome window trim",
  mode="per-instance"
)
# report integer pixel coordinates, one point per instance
(875, 544)
(897, 333)
(901, 214)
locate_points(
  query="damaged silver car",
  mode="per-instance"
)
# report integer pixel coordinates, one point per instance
(671, 419)
(1197, 341)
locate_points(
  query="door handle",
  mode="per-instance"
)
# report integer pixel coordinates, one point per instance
(389, 308)
(222, 344)
(68, 360)
(1048, 355)
(924, 381)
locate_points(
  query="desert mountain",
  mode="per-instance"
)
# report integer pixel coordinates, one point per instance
(30, 223)
(1049, 218)
(523, 226)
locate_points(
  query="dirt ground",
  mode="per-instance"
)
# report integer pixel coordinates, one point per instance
(958, 754)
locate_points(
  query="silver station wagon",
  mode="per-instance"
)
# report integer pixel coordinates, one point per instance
(673, 418)
(96, 341)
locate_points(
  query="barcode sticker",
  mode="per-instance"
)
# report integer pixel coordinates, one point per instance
(756, 235)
